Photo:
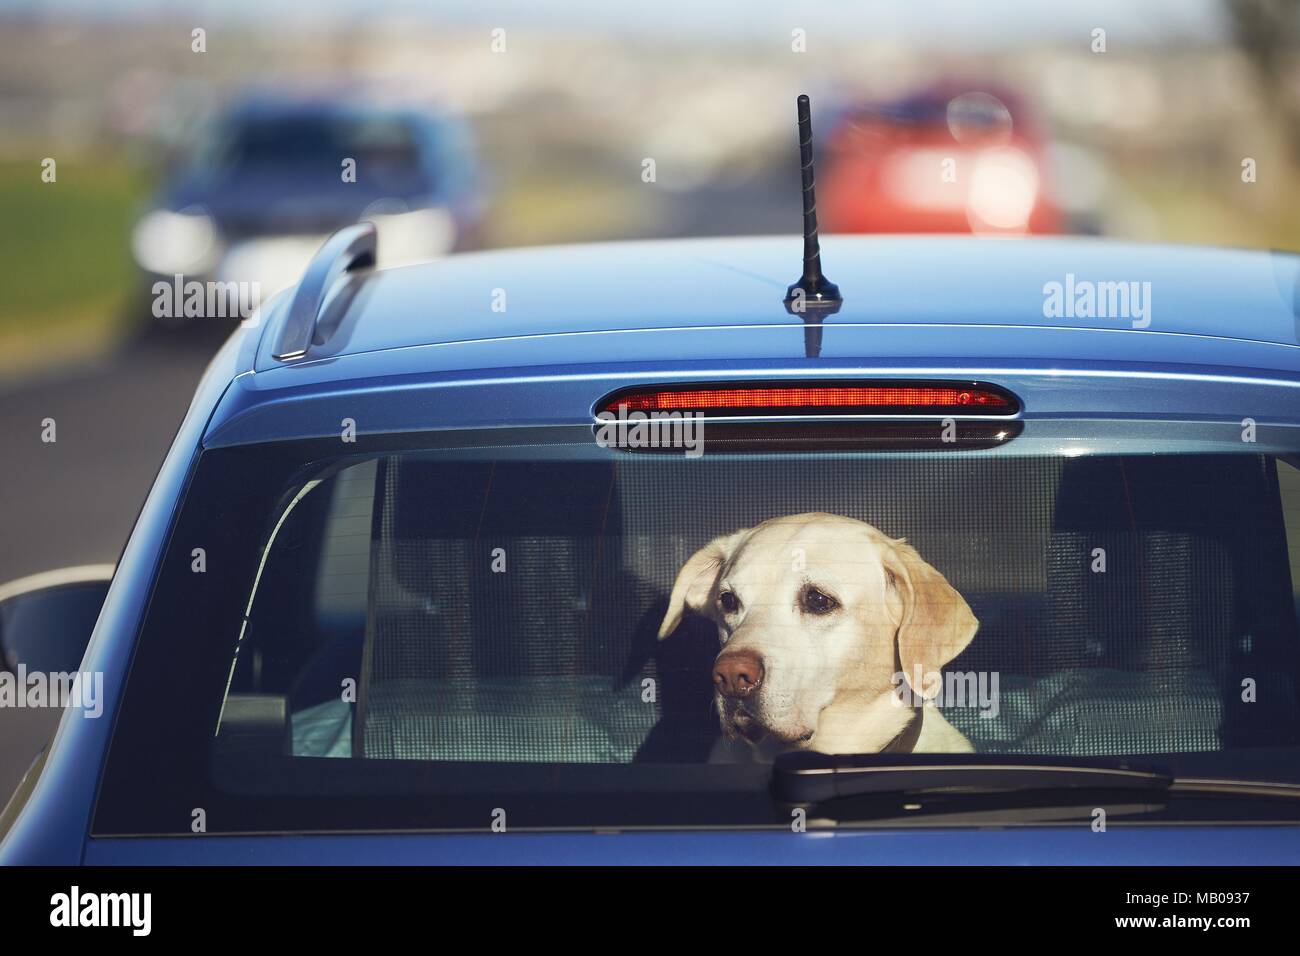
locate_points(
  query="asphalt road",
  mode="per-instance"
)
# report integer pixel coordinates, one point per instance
(75, 499)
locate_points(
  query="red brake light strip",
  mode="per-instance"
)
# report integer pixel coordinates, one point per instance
(811, 397)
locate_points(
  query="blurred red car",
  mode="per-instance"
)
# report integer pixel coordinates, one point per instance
(945, 160)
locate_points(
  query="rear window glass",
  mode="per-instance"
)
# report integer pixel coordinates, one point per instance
(482, 625)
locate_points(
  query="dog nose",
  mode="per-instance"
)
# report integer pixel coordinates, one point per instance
(737, 673)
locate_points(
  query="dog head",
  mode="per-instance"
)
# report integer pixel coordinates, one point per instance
(814, 610)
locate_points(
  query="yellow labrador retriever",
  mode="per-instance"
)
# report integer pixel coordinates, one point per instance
(817, 614)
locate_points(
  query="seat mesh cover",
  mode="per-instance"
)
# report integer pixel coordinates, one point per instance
(553, 658)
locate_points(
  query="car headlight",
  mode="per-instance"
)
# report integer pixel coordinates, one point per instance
(167, 243)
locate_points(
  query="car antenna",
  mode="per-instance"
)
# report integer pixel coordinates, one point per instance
(813, 296)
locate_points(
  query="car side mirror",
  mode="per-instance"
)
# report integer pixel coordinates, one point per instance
(46, 619)
(45, 624)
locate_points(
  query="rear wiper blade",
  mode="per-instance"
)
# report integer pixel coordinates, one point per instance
(807, 777)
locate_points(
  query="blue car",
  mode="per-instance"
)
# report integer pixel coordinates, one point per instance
(274, 176)
(596, 554)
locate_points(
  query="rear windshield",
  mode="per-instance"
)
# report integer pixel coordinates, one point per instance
(587, 638)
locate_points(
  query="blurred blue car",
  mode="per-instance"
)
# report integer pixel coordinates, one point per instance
(396, 593)
(275, 176)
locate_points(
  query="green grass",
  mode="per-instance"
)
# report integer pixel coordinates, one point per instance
(1229, 215)
(67, 270)
(554, 205)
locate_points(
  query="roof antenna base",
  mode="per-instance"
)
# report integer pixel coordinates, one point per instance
(813, 296)
(817, 294)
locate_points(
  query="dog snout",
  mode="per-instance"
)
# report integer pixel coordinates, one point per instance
(737, 673)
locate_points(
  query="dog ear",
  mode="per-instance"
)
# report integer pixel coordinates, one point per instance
(937, 623)
(695, 580)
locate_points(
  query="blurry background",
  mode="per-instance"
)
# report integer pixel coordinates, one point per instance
(226, 163)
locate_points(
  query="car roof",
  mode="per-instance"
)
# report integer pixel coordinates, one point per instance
(422, 346)
(929, 286)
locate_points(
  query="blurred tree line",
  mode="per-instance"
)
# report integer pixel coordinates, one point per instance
(1268, 32)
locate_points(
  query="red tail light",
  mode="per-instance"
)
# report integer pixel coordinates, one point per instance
(877, 398)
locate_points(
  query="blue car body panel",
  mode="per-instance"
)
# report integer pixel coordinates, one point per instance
(1080, 846)
(421, 348)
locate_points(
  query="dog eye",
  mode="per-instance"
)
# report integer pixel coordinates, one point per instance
(818, 602)
(729, 602)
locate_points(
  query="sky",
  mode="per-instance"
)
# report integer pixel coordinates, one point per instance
(963, 22)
